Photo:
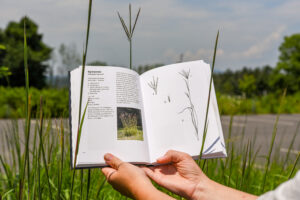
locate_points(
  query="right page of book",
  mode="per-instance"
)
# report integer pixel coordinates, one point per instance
(175, 101)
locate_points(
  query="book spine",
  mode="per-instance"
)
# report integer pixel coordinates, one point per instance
(70, 121)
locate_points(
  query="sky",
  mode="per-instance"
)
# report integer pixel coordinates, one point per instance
(250, 31)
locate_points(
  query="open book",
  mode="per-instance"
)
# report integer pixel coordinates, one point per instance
(139, 118)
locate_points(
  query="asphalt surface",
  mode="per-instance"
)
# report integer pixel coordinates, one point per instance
(256, 128)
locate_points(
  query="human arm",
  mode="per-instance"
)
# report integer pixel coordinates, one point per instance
(180, 174)
(130, 180)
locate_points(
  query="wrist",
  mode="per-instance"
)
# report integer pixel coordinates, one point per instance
(150, 193)
(202, 188)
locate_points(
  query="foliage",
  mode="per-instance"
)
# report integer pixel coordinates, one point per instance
(97, 63)
(12, 102)
(247, 84)
(242, 169)
(57, 100)
(233, 105)
(236, 82)
(5, 73)
(13, 56)
(143, 68)
(287, 71)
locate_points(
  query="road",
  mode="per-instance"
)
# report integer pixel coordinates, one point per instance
(259, 126)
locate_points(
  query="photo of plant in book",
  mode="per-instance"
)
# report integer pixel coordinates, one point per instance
(129, 124)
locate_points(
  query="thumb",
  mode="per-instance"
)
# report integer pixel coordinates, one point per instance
(172, 156)
(112, 160)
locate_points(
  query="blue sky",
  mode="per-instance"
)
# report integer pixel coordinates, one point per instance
(250, 31)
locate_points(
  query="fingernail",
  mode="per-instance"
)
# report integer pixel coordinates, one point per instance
(108, 157)
(160, 158)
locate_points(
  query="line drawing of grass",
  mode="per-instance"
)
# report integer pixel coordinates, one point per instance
(154, 84)
(191, 108)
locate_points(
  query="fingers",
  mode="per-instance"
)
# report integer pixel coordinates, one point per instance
(151, 174)
(112, 160)
(172, 156)
(108, 172)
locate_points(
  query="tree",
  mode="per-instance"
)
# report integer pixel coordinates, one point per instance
(287, 71)
(70, 58)
(97, 63)
(247, 85)
(4, 71)
(13, 57)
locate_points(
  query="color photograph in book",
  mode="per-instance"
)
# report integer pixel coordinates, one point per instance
(129, 124)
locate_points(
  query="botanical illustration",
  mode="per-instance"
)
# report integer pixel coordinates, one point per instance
(190, 108)
(129, 124)
(153, 84)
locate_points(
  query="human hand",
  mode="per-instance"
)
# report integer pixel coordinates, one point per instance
(180, 175)
(130, 180)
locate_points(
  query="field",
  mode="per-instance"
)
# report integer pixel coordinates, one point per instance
(49, 175)
(36, 159)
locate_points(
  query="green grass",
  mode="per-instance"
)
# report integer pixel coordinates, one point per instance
(131, 133)
(36, 164)
(242, 169)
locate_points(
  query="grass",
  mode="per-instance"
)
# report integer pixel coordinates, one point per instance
(35, 163)
(132, 133)
(242, 169)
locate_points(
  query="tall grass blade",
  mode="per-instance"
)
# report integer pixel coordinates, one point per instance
(208, 99)
(81, 184)
(294, 166)
(136, 19)
(290, 147)
(76, 150)
(81, 90)
(88, 184)
(129, 32)
(230, 164)
(62, 141)
(272, 143)
(27, 121)
(42, 146)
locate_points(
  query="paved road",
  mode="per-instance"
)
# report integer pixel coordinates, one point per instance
(259, 125)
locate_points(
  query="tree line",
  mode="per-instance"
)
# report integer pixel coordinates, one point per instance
(248, 82)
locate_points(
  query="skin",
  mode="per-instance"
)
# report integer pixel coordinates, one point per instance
(178, 173)
(130, 180)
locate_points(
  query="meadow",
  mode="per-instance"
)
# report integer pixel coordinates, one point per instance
(35, 163)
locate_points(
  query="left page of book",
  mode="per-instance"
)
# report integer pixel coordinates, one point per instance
(114, 120)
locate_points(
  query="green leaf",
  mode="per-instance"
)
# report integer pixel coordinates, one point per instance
(2, 47)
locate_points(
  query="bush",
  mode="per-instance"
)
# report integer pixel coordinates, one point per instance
(232, 105)
(12, 102)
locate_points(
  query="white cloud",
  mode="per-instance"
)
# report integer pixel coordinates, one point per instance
(261, 47)
(251, 31)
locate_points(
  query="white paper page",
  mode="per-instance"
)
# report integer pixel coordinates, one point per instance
(114, 121)
(169, 93)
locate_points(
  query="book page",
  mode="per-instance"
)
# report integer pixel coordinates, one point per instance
(114, 120)
(175, 100)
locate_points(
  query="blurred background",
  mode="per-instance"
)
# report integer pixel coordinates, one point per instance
(258, 55)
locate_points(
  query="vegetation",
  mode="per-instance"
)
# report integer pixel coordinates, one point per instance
(243, 169)
(129, 129)
(12, 102)
(12, 56)
(36, 159)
